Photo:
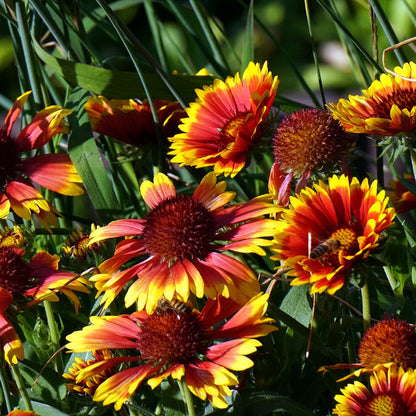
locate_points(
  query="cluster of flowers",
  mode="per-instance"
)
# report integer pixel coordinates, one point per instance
(199, 308)
(387, 353)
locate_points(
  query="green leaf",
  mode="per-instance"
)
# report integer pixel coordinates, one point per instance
(120, 84)
(296, 305)
(260, 404)
(43, 409)
(46, 384)
(86, 157)
(248, 51)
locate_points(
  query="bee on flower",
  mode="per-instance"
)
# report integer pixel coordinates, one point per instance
(351, 213)
(196, 346)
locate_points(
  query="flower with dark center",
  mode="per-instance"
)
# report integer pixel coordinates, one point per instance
(77, 253)
(182, 240)
(306, 141)
(225, 121)
(39, 279)
(386, 108)
(327, 230)
(390, 340)
(52, 171)
(197, 346)
(392, 393)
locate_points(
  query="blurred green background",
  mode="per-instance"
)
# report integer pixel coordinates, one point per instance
(280, 36)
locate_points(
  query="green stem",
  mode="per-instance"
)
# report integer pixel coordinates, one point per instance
(379, 162)
(393, 283)
(314, 53)
(365, 299)
(20, 385)
(413, 160)
(55, 336)
(187, 397)
(5, 389)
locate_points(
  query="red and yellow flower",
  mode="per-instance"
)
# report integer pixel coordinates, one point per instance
(225, 121)
(386, 108)
(130, 121)
(327, 230)
(39, 279)
(52, 171)
(392, 393)
(175, 342)
(182, 240)
(401, 197)
(88, 385)
(18, 412)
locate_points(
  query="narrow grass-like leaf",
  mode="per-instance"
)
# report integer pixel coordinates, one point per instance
(196, 37)
(292, 64)
(328, 8)
(154, 27)
(387, 29)
(209, 35)
(61, 29)
(315, 54)
(410, 12)
(31, 64)
(248, 50)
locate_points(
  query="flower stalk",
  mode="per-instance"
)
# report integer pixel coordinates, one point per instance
(187, 397)
(20, 386)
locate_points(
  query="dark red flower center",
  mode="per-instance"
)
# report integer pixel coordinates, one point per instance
(390, 340)
(14, 271)
(171, 336)
(308, 139)
(386, 404)
(179, 228)
(9, 158)
(404, 98)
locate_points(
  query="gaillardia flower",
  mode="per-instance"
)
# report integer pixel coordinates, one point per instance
(393, 393)
(388, 341)
(18, 412)
(182, 240)
(326, 230)
(225, 121)
(401, 197)
(175, 342)
(39, 279)
(88, 385)
(131, 122)
(306, 141)
(386, 108)
(77, 253)
(52, 171)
